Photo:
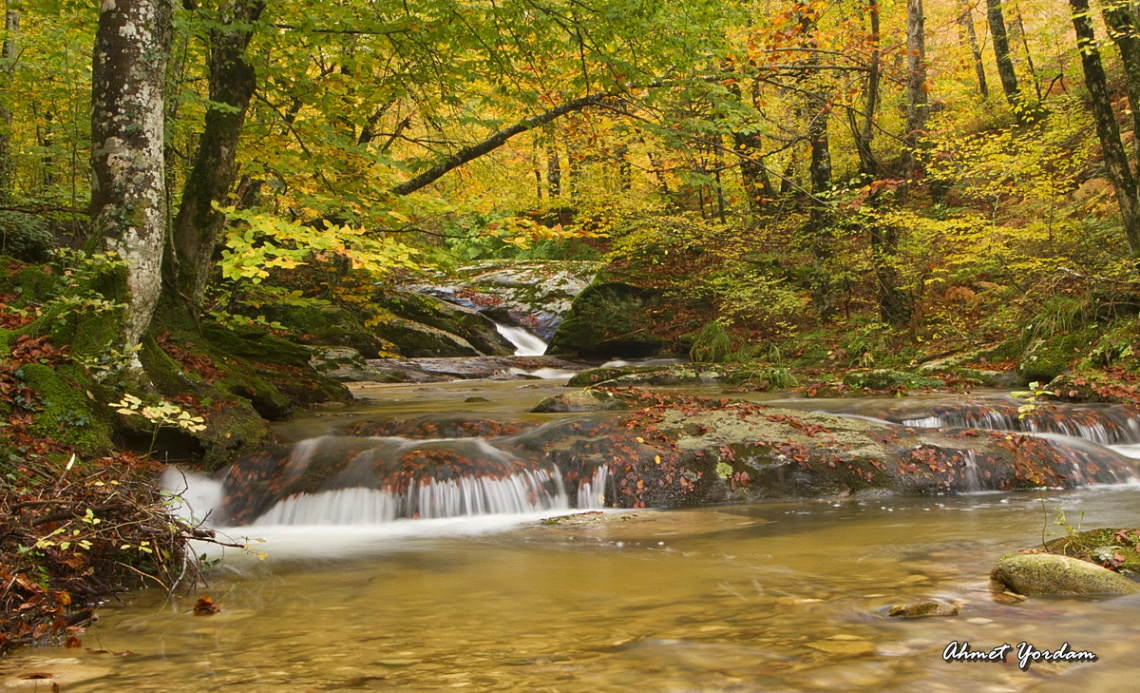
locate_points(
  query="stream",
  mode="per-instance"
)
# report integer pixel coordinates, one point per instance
(779, 596)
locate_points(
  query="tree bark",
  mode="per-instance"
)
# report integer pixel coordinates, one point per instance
(1116, 163)
(128, 197)
(966, 22)
(1123, 20)
(864, 132)
(1004, 59)
(917, 106)
(7, 63)
(232, 82)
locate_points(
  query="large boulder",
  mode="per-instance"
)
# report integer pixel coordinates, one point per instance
(416, 339)
(1046, 573)
(609, 320)
(471, 325)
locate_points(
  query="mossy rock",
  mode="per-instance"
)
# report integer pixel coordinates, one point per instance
(1118, 546)
(417, 340)
(332, 326)
(887, 379)
(68, 414)
(1053, 574)
(476, 328)
(609, 320)
(256, 345)
(1045, 359)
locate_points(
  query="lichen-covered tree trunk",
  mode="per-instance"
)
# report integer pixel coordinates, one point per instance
(966, 23)
(7, 62)
(864, 132)
(128, 196)
(1116, 163)
(917, 106)
(1002, 55)
(1123, 20)
(232, 81)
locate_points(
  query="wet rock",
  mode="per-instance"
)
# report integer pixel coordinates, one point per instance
(1046, 573)
(922, 609)
(347, 365)
(579, 400)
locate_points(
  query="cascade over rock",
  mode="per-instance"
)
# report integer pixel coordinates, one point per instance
(663, 451)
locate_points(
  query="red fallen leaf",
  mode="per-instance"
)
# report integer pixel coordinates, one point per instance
(73, 642)
(205, 606)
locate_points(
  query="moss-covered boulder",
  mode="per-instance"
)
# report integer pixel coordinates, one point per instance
(66, 410)
(330, 325)
(609, 320)
(469, 324)
(1045, 359)
(417, 340)
(887, 379)
(1053, 574)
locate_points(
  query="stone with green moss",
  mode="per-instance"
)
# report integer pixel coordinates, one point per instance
(887, 379)
(610, 320)
(67, 412)
(1045, 359)
(1054, 574)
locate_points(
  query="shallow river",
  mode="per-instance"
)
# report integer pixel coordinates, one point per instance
(772, 597)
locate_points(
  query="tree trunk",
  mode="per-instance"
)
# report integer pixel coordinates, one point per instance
(7, 63)
(553, 173)
(819, 170)
(1123, 20)
(232, 82)
(966, 22)
(864, 132)
(917, 106)
(1004, 59)
(1115, 158)
(128, 196)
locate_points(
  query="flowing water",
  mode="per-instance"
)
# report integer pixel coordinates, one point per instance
(772, 597)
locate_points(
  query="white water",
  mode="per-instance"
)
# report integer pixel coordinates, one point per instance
(526, 344)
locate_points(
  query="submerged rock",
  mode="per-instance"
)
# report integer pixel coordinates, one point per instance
(1046, 573)
(579, 400)
(922, 609)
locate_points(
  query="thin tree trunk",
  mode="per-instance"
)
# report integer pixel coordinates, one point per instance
(966, 22)
(128, 197)
(1028, 55)
(864, 132)
(7, 63)
(1115, 158)
(232, 82)
(1004, 59)
(1123, 20)
(553, 173)
(917, 106)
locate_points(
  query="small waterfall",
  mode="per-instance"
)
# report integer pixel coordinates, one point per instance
(1105, 424)
(367, 479)
(526, 343)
